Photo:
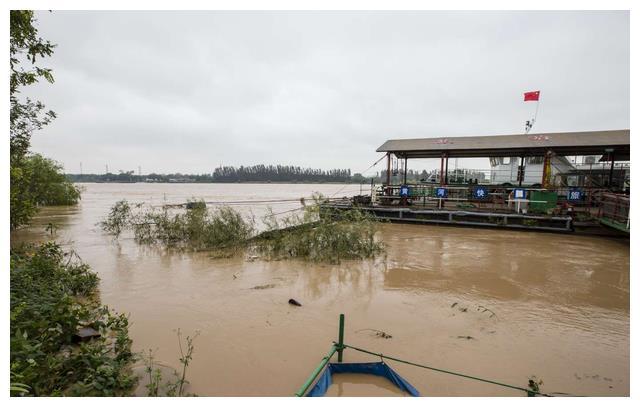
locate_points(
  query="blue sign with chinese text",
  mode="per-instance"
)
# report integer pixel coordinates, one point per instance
(519, 193)
(441, 192)
(480, 193)
(574, 195)
(404, 191)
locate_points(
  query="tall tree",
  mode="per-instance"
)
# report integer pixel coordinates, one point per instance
(27, 116)
(25, 46)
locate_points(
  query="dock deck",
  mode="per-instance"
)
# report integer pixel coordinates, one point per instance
(462, 217)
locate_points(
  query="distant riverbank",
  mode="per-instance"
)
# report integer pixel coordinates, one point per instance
(223, 182)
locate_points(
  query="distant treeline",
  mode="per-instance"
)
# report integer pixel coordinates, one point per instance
(255, 173)
(279, 173)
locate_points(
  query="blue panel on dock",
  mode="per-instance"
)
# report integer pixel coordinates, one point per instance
(480, 193)
(404, 191)
(574, 195)
(441, 192)
(519, 193)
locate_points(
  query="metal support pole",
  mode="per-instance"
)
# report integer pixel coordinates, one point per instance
(405, 170)
(521, 171)
(388, 169)
(442, 169)
(612, 158)
(446, 170)
(340, 338)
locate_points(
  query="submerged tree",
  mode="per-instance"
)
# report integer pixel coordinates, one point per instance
(313, 234)
(28, 187)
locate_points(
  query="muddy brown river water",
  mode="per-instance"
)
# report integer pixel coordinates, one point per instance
(503, 305)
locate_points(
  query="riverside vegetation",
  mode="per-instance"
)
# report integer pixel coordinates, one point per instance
(52, 293)
(35, 180)
(310, 235)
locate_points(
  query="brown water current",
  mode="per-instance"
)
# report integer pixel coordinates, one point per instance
(502, 305)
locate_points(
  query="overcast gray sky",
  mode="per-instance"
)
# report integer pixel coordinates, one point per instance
(187, 91)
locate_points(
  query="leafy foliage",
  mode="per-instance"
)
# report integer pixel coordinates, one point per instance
(51, 297)
(321, 235)
(196, 229)
(25, 46)
(118, 218)
(314, 235)
(35, 180)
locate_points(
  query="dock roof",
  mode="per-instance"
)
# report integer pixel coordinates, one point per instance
(573, 143)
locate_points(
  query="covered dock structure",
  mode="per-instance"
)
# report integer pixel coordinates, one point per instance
(549, 202)
(613, 145)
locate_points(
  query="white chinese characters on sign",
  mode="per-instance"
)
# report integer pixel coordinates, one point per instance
(575, 195)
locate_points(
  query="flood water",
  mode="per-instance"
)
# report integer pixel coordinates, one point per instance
(502, 305)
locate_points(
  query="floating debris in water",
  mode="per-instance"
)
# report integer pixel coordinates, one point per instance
(484, 309)
(294, 302)
(264, 287)
(467, 337)
(378, 333)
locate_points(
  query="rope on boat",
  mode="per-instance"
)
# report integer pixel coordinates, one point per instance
(529, 391)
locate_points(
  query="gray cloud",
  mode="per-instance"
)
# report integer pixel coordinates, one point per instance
(186, 91)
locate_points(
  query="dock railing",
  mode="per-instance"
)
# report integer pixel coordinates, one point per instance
(614, 211)
(486, 197)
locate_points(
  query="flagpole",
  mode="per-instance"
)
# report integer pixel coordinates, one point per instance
(535, 116)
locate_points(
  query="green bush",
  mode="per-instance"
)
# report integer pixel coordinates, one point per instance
(38, 181)
(311, 234)
(322, 236)
(51, 297)
(196, 228)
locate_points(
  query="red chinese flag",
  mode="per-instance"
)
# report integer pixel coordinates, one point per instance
(535, 95)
